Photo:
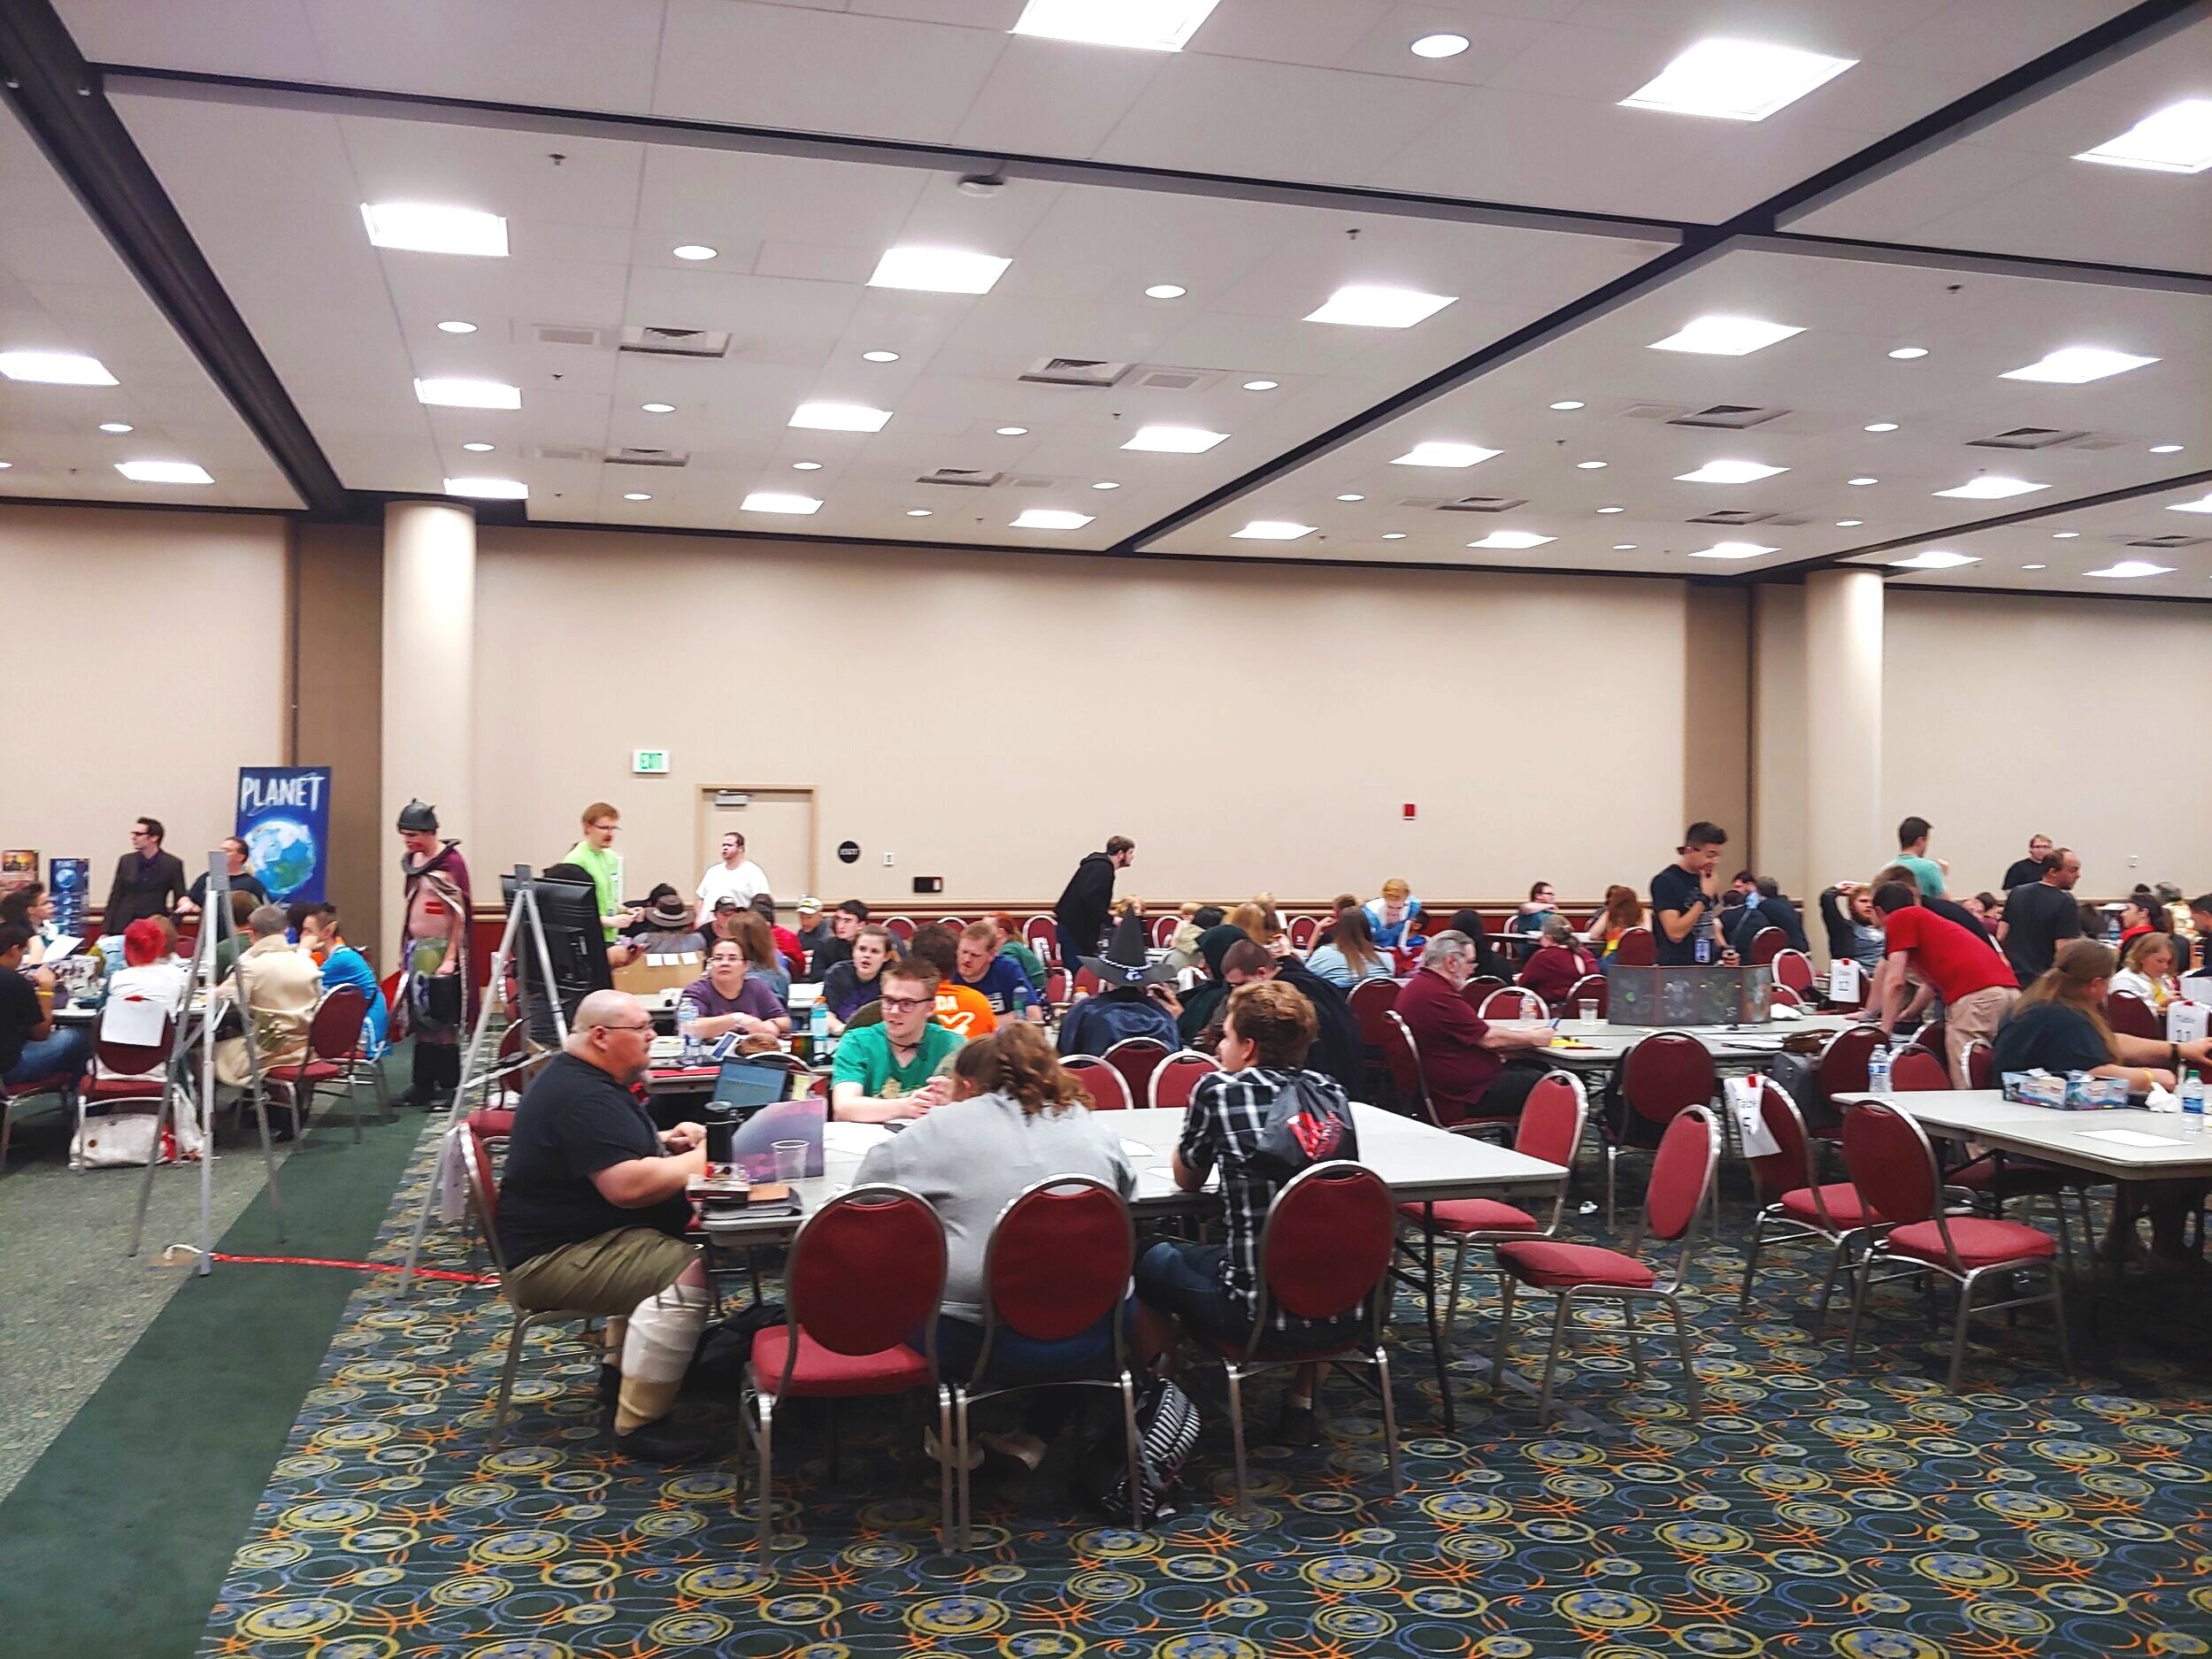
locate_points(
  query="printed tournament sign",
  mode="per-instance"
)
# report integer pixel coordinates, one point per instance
(284, 819)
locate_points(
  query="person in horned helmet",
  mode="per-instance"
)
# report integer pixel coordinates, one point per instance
(437, 994)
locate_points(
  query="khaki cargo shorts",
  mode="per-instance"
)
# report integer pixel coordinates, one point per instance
(610, 1274)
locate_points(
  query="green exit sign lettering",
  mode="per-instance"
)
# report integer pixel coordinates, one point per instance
(648, 760)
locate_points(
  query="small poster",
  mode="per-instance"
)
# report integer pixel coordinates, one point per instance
(18, 867)
(284, 819)
(68, 881)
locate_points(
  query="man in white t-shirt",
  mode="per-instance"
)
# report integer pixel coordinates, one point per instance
(736, 876)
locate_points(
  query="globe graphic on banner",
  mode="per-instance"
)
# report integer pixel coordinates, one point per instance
(281, 851)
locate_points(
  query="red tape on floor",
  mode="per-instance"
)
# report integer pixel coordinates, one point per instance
(359, 1267)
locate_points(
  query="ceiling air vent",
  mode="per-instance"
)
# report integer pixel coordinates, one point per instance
(1733, 515)
(1074, 372)
(629, 456)
(1035, 483)
(1177, 379)
(569, 334)
(2094, 442)
(1655, 412)
(2171, 543)
(1481, 504)
(1728, 416)
(560, 452)
(675, 342)
(2024, 438)
(966, 476)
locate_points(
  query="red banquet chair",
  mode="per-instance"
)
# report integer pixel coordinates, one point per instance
(2127, 1013)
(334, 1043)
(1513, 1003)
(1766, 944)
(1798, 1206)
(1410, 1082)
(1552, 1121)
(1681, 1182)
(1782, 996)
(1137, 1058)
(952, 922)
(1916, 1071)
(1841, 1069)
(865, 1270)
(1109, 1089)
(1636, 949)
(1893, 1166)
(1662, 1077)
(135, 1070)
(1056, 986)
(1058, 1265)
(483, 1196)
(1981, 1063)
(1163, 930)
(1043, 937)
(1324, 1254)
(1794, 969)
(1591, 988)
(1480, 989)
(902, 927)
(60, 1085)
(1177, 1077)
(1304, 930)
(1369, 1000)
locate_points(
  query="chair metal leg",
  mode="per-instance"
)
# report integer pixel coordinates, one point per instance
(1958, 1331)
(1751, 1261)
(2065, 1233)
(1689, 1368)
(2058, 1318)
(1390, 1419)
(507, 1376)
(944, 1471)
(1236, 1430)
(1505, 1333)
(353, 1103)
(1551, 1356)
(1451, 1305)
(1612, 1157)
(1858, 1279)
(1828, 1281)
(764, 1411)
(963, 1537)
(1635, 1343)
(1130, 1446)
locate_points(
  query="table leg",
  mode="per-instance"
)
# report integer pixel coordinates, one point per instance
(1436, 1335)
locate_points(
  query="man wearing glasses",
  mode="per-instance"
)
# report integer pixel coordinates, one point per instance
(891, 1069)
(592, 1215)
(595, 853)
(148, 881)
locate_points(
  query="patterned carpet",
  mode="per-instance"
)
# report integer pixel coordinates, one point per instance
(1865, 1515)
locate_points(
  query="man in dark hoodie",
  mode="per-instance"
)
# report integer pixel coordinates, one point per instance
(1084, 904)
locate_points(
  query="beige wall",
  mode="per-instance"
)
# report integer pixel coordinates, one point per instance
(1779, 740)
(178, 625)
(1716, 726)
(2081, 717)
(989, 718)
(338, 677)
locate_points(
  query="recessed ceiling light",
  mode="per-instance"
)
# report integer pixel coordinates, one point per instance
(2065, 535)
(1624, 546)
(1849, 523)
(478, 448)
(938, 270)
(1165, 291)
(806, 466)
(776, 501)
(1050, 519)
(1513, 539)
(1438, 46)
(635, 494)
(1906, 354)
(452, 394)
(419, 228)
(1881, 426)
(2176, 139)
(1393, 535)
(1013, 432)
(878, 356)
(2203, 503)
(1735, 81)
(2165, 448)
(2127, 568)
(4, 465)
(693, 250)
(1362, 306)
(489, 488)
(1612, 509)
(1261, 386)
(1733, 550)
(1861, 483)
(2035, 567)
(1175, 440)
(455, 325)
(1351, 498)
(163, 472)
(658, 408)
(2074, 365)
(1589, 466)
(117, 426)
(1271, 530)
(1935, 558)
(1435, 452)
(1568, 403)
(917, 513)
(1106, 483)
(1725, 336)
(838, 418)
(1729, 472)
(55, 368)
(1990, 488)
(1153, 26)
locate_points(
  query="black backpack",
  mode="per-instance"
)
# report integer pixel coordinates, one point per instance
(1306, 1124)
(1167, 1428)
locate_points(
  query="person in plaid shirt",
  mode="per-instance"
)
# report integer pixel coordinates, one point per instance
(1213, 1290)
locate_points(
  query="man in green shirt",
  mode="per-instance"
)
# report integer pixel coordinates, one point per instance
(1912, 852)
(891, 1069)
(594, 853)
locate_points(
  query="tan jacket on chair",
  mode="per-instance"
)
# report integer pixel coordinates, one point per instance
(282, 984)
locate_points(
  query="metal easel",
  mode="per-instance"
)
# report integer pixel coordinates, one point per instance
(523, 908)
(200, 983)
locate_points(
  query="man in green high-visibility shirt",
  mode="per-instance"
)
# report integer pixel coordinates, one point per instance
(594, 853)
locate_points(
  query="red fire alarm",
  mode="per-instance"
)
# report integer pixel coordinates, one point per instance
(1410, 809)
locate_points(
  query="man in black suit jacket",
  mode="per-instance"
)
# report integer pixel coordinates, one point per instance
(148, 881)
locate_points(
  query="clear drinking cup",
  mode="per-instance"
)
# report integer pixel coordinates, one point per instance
(1586, 1010)
(790, 1157)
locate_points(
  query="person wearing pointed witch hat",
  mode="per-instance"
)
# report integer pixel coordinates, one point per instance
(437, 998)
(1127, 1003)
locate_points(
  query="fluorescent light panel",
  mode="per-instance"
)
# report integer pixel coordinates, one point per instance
(1733, 551)
(55, 368)
(1992, 488)
(1364, 306)
(163, 472)
(777, 501)
(2076, 365)
(2203, 503)
(1273, 530)
(2127, 569)
(424, 227)
(1175, 440)
(938, 270)
(461, 394)
(840, 418)
(1735, 81)
(2176, 139)
(1513, 539)
(1729, 472)
(1725, 336)
(1050, 519)
(1934, 558)
(1436, 452)
(489, 488)
(1152, 25)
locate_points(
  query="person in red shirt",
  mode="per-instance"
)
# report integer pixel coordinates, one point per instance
(1559, 963)
(1475, 1068)
(787, 946)
(1975, 983)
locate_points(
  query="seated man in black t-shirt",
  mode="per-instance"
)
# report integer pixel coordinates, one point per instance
(592, 1215)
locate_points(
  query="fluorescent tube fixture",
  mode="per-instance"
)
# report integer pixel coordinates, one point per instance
(1050, 519)
(778, 500)
(1729, 472)
(1735, 81)
(2074, 366)
(449, 393)
(1175, 440)
(840, 417)
(1733, 550)
(1152, 25)
(938, 270)
(489, 488)
(1725, 336)
(1360, 306)
(2127, 568)
(55, 368)
(163, 472)
(420, 227)
(1436, 453)
(1992, 488)
(2176, 139)
(1512, 538)
(1935, 558)
(2203, 503)
(1272, 530)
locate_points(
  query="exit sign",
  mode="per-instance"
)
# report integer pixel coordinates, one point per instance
(648, 760)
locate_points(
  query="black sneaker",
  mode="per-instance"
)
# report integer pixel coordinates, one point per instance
(610, 1387)
(1295, 1427)
(662, 1441)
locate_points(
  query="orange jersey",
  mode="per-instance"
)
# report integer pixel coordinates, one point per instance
(966, 1012)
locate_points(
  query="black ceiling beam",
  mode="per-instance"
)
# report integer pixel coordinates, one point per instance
(2096, 274)
(61, 103)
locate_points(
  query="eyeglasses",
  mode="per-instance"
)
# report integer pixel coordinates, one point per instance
(901, 1004)
(646, 1025)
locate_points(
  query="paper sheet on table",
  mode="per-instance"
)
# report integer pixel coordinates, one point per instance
(132, 1019)
(60, 949)
(2126, 1137)
(852, 1140)
(1137, 1149)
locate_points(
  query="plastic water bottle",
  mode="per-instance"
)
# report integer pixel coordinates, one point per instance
(1704, 950)
(818, 1035)
(2192, 1097)
(1877, 1070)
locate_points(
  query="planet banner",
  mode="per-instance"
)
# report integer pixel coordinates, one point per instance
(284, 819)
(68, 881)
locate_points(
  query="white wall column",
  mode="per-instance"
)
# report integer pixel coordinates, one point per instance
(1844, 837)
(429, 698)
